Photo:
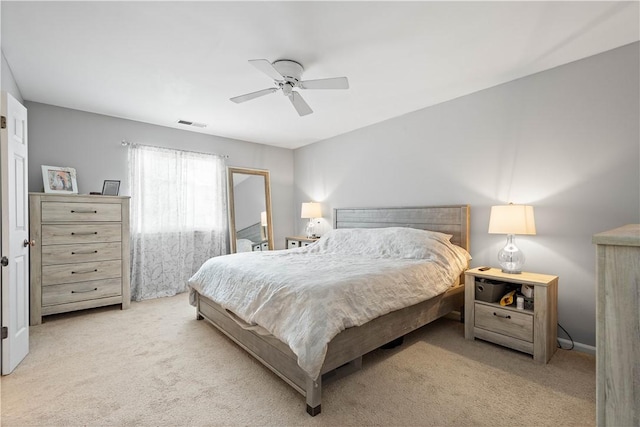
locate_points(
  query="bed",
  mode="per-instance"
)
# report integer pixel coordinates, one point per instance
(344, 350)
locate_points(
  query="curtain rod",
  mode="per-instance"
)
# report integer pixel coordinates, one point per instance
(126, 143)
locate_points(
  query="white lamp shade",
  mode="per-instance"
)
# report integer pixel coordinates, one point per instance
(512, 219)
(263, 218)
(311, 210)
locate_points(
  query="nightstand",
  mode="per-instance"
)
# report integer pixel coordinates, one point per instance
(260, 246)
(532, 330)
(299, 241)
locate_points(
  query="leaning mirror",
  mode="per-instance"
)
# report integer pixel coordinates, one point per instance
(250, 225)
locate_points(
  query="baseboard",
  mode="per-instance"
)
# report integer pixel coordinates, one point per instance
(582, 348)
(453, 315)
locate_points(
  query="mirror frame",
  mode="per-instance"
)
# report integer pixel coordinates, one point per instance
(232, 211)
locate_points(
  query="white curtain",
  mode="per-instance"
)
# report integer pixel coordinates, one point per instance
(178, 217)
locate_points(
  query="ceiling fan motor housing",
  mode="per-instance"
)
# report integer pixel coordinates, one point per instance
(290, 70)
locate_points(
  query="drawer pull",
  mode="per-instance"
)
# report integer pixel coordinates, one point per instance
(502, 315)
(84, 271)
(83, 233)
(84, 211)
(84, 292)
(83, 252)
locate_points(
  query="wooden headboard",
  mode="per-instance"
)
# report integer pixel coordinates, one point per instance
(452, 220)
(252, 232)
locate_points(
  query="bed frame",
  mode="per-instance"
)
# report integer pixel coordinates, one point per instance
(345, 351)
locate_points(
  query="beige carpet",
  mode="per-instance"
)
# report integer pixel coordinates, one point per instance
(154, 364)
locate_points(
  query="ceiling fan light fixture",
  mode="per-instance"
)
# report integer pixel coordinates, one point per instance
(286, 89)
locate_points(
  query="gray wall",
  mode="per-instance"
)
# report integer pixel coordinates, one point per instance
(564, 140)
(91, 143)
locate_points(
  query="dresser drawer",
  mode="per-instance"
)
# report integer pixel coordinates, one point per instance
(81, 291)
(65, 212)
(80, 252)
(72, 273)
(504, 322)
(53, 234)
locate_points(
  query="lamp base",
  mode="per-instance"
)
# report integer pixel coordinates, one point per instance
(309, 229)
(510, 258)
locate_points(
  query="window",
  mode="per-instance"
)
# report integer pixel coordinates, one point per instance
(178, 217)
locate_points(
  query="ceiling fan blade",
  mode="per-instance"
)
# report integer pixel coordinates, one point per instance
(332, 83)
(299, 104)
(252, 95)
(266, 67)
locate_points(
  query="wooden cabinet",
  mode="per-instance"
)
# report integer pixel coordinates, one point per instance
(80, 257)
(531, 330)
(299, 241)
(618, 326)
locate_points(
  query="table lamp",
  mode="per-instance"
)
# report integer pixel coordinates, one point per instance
(310, 210)
(263, 224)
(511, 220)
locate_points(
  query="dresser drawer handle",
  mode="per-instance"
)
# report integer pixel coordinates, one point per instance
(83, 233)
(84, 211)
(84, 292)
(84, 271)
(83, 252)
(502, 315)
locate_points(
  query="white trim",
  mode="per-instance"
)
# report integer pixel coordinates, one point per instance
(582, 348)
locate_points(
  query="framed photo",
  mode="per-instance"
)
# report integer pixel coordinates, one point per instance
(59, 180)
(110, 187)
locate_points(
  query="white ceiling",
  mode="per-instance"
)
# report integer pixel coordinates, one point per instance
(158, 62)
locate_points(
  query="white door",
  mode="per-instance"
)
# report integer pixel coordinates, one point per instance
(15, 234)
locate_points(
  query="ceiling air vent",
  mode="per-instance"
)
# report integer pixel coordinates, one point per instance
(188, 123)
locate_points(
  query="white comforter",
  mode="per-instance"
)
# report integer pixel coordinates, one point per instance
(306, 296)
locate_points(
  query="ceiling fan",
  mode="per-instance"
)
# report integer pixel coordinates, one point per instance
(286, 75)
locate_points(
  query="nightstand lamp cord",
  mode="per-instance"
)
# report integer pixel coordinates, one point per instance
(571, 339)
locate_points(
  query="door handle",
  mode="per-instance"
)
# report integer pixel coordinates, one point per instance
(5, 261)
(28, 243)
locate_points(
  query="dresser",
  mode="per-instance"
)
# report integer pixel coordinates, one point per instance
(618, 326)
(79, 254)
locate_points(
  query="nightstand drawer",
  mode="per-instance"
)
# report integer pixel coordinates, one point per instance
(506, 322)
(300, 241)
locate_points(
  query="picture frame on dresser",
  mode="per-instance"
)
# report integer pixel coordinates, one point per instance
(59, 180)
(110, 187)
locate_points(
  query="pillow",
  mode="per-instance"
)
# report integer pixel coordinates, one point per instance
(244, 245)
(392, 242)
